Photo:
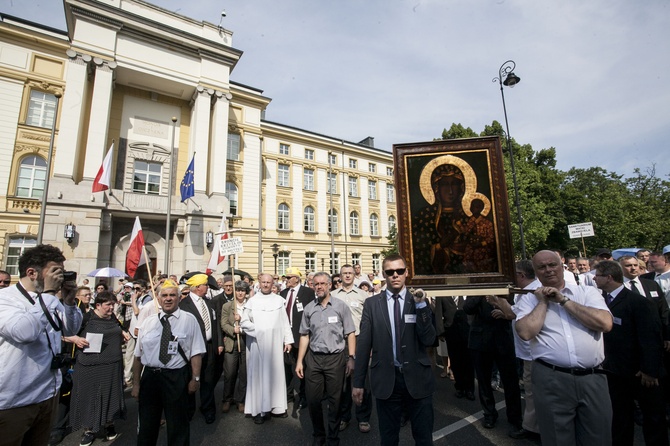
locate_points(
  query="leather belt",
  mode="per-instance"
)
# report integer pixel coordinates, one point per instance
(577, 371)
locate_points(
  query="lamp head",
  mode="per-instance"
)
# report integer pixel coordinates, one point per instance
(511, 80)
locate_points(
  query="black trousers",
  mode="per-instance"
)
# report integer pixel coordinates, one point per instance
(235, 375)
(208, 381)
(163, 390)
(290, 360)
(389, 412)
(510, 379)
(459, 356)
(363, 411)
(324, 376)
(623, 390)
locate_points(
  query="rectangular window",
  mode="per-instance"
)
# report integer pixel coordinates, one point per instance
(309, 154)
(233, 147)
(376, 263)
(355, 259)
(332, 183)
(372, 190)
(390, 193)
(334, 263)
(147, 177)
(389, 171)
(284, 149)
(353, 223)
(310, 225)
(283, 262)
(310, 262)
(231, 194)
(372, 167)
(16, 247)
(353, 164)
(283, 217)
(353, 187)
(332, 159)
(308, 179)
(41, 109)
(283, 175)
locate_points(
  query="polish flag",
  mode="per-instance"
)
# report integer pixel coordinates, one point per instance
(103, 179)
(217, 258)
(135, 255)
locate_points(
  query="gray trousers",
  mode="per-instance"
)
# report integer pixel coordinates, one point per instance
(572, 410)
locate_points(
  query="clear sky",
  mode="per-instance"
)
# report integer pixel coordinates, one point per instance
(595, 75)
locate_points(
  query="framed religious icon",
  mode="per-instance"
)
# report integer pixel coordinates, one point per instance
(453, 215)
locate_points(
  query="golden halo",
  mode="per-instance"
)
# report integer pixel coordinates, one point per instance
(487, 204)
(468, 176)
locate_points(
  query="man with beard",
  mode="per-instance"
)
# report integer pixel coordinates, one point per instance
(32, 321)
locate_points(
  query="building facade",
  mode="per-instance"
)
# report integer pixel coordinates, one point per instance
(154, 87)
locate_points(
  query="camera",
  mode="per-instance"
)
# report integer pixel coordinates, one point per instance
(126, 297)
(69, 276)
(60, 360)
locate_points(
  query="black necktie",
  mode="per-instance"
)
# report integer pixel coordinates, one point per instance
(608, 299)
(396, 323)
(634, 289)
(166, 337)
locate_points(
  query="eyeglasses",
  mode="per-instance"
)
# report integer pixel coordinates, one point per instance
(399, 271)
(6, 282)
(185, 294)
(137, 289)
(337, 281)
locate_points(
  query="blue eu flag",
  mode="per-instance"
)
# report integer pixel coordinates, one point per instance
(187, 188)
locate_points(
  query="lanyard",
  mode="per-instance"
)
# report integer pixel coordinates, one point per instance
(56, 326)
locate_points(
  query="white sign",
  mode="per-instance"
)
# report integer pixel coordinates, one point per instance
(230, 246)
(581, 230)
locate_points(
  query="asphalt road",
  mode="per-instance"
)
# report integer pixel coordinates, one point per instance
(457, 422)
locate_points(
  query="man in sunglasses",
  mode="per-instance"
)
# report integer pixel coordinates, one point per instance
(397, 328)
(5, 279)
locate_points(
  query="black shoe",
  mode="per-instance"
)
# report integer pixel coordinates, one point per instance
(489, 423)
(110, 433)
(55, 438)
(518, 433)
(87, 439)
(470, 395)
(258, 419)
(459, 394)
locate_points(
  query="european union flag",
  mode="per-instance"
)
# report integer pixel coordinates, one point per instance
(187, 187)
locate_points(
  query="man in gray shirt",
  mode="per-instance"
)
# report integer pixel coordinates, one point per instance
(326, 322)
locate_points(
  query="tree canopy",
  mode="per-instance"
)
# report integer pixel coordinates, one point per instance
(625, 212)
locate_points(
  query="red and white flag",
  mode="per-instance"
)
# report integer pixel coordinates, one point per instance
(217, 258)
(135, 255)
(103, 179)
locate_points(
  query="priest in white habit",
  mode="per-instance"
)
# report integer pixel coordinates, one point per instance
(268, 331)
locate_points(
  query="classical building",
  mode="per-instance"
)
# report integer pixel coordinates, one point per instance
(154, 87)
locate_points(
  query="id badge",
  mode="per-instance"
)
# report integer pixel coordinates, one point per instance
(173, 348)
(298, 305)
(410, 318)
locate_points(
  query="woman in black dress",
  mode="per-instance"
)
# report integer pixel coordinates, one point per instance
(97, 395)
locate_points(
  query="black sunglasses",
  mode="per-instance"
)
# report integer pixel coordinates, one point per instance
(399, 271)
(137, 289)
(6, 282)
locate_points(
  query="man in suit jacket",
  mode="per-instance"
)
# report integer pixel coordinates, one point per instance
(199, 306)
(296, 297)
(234, 342)
(633, 358)
(396, 328)
(491, 340)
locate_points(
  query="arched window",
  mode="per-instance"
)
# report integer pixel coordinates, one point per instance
(32, 177)
(231, 195)
(392, 222)
(283, 217)
(353, 223)
(332, 222)
(310, 225)
(374, 225)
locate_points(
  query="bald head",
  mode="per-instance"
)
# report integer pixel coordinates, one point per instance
(549, 269)
(265, 282)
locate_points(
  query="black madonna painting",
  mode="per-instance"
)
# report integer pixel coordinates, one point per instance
(454, 218)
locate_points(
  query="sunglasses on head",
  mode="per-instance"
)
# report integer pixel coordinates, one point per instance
(399, 271)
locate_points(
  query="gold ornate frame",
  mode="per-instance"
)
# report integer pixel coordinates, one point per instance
(474, 242)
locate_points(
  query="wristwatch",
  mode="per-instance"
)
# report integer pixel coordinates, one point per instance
(196, 379)
(564, 301)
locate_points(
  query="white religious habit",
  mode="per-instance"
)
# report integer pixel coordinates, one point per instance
(266, 325)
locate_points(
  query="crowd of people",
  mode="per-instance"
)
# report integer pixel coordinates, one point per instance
(588, 340)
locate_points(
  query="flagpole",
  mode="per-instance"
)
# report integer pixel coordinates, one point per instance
(169, 200)
(151, 280)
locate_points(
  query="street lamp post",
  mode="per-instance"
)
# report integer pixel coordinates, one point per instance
(43, 208)
(275, 254)
(507, 78)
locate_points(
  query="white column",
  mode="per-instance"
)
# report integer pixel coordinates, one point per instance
(219, 149)
(101, 104)
(71, 127)
(200, 114)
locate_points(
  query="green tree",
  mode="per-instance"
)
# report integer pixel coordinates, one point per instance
(393, 242)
